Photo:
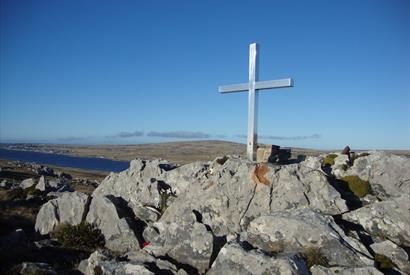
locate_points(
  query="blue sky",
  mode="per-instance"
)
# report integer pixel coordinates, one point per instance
(149, 71)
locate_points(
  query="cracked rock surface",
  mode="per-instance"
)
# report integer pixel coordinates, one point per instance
(234, 216)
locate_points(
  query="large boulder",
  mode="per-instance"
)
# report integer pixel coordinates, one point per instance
(389, 219)
(388, 175)
(306, 232)
(395, 253)
(101, 262)
(233, 259)
(70, 208)
(111, 216)
(185, 240)
(142, 184)
(231, 194)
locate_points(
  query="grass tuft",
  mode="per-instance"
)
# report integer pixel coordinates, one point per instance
(83, 236)
(313, 256)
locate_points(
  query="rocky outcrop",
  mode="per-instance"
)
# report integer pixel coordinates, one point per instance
(143, 184)
(136, 262)
(110, 215)
(302, 230)
(395, 253)
(389, 175)
(233, 259)
(239, 217)
(102, 263)
(70, 208)
(387, 219)
(230, 195)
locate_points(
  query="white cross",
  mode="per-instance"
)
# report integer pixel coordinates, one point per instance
(253, 86)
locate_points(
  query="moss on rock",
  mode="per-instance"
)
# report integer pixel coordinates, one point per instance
(329, 160)
(383, 261)
(358, 186)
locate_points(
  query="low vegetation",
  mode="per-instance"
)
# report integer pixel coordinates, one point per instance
(313, 256)
(383, 261)
(83, 236)
(358, 186)
(329, 160)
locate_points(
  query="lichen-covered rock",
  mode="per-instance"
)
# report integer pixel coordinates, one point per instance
(109, 215)
(142, 184)
(233, 259)
(366, 270)
(388, 175)
(395, 253)
(302, 229)
(389, 219)
(230, 195)
(101, 262)
(70, 207)
(184, 239)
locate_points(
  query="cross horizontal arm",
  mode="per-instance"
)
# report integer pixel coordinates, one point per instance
(260, 85)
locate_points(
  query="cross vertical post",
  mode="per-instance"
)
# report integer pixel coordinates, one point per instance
(252, 87)
(252, 142)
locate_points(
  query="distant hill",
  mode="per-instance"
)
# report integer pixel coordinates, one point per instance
(180, 152)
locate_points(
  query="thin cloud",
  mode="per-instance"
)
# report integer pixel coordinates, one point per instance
(70, 139)
(129, 134)
(314, 136)
(179, 134)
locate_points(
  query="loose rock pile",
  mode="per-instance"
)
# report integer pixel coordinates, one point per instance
(233, 216)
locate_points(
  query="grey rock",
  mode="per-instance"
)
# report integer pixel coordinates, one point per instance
(141, 185)
(41, 185)
(70, 208)
(27, 183)
(185, 240)
(395, 253)
(28, 268)
(387, 219)
(108, 214)
(366, 270)
(59, 185)
(302, 229)
(388, 175)
(233, 259)
(230, 195)
(101, 262)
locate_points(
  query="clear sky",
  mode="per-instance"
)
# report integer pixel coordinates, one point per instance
(147, 71)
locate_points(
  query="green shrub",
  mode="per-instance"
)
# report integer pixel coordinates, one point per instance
(329, 160)
(313, 256)
(358, 186)
(383, 261)
(83, 236)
